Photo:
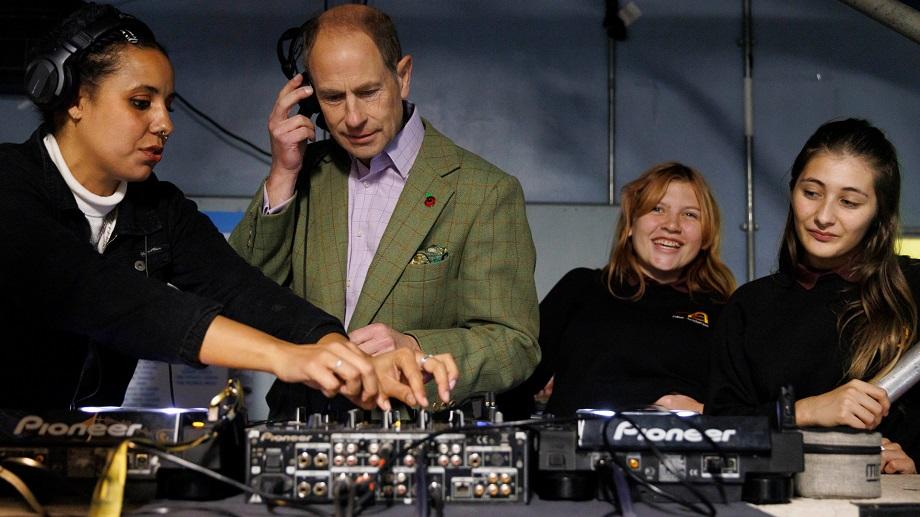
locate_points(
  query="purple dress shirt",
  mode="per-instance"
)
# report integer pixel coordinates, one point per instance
(372, 195)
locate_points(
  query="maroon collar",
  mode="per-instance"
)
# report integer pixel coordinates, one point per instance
(807, 277)
(679, 286)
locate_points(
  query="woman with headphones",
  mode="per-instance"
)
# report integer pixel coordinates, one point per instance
(102, 264)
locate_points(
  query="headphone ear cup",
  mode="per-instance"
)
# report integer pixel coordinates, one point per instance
(41, 81)
(48, 79)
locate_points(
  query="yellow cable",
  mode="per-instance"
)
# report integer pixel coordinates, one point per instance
(108, 496)
(110, 490)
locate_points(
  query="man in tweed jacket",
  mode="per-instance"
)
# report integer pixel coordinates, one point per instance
(411, 240)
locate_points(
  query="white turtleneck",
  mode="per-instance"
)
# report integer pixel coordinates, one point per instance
(95, 208)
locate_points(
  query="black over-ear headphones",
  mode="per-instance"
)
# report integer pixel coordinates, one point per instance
(49, 78)
(290, 55)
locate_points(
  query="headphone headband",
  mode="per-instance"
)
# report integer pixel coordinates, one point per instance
(50, 78)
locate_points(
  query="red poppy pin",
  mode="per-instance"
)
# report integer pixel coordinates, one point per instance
(429, 200)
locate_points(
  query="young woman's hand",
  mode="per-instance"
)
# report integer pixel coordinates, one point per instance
(401, 374)
(857, 404)
(333, 366)
(676, 401)
(895, 460)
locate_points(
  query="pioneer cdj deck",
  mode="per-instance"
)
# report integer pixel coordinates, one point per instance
(61, 454)
(313, 461)
(724, 458)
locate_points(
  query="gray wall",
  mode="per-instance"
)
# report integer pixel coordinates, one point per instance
(523, 83)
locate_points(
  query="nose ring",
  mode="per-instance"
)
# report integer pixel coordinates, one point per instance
(164, 135)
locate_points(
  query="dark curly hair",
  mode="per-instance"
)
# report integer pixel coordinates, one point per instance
(100, 59)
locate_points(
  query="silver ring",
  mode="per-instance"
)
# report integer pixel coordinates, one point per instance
(337, 364)
(164, 135)
(425, 358)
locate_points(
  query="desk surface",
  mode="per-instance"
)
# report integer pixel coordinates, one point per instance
(895, 489)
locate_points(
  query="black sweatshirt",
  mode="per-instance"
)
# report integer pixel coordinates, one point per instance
(607, 352)
(75, 322)
(775, 332)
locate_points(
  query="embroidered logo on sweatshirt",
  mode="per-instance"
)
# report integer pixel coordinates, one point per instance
(698, 317)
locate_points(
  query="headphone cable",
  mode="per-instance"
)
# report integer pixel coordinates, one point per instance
(221, 128)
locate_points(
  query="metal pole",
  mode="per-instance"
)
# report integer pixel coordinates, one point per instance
(749, 226)
(611, 121)
(897, 16)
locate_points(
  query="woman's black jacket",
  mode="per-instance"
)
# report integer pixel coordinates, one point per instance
(74, 322)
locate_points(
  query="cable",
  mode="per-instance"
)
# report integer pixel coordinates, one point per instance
(343, 496)
(256, 423)
(709, 510)
(437, 500)
(23, 490)
(622, 490)
(390, 460)
(270, 499)
(221, 128)
(172, 391)
(183, 510)
(679, 475)
(422, 497)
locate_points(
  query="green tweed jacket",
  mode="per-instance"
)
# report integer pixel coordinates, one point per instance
(479, 304)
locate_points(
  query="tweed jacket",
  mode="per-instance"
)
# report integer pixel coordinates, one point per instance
(479, 304)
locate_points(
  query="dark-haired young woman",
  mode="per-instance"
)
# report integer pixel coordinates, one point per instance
(102, 264)
(842, 307)
(636, 332)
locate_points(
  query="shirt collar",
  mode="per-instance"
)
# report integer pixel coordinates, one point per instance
(133, 218)
(401, 152)
(679, 286)
(93, 205)
(808, 277)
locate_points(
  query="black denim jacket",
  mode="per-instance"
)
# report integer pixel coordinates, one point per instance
(74, 322)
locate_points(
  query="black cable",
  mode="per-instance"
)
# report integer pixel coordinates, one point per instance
(622, 491)
(183, 510)
(390, 459)
(219, 127)
(437, 500)
(680, 476)
(172, 391)
(270, 499)
(422, 497)
(708, 511)
(256, 423)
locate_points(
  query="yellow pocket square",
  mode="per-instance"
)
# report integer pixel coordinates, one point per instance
(430, 255)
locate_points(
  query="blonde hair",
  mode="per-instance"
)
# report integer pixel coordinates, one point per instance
(706, 273)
